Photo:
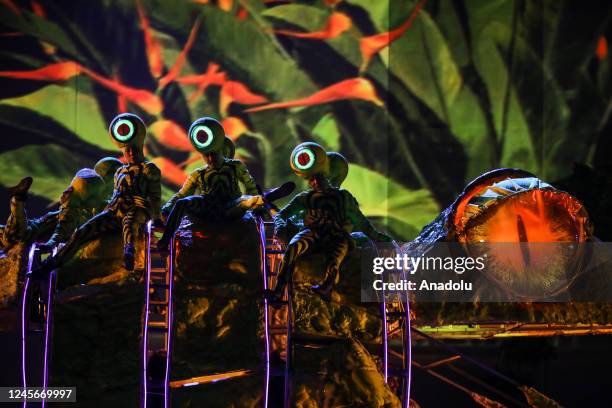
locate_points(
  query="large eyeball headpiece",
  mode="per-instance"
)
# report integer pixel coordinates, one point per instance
(127, 129)
(309, 159)
(207, 135)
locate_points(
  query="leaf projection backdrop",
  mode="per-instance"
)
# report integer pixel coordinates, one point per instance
(420, 96)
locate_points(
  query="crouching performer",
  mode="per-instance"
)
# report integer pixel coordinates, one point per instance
(136, 196)
(86, 196)
(213, 191)
(329, 215)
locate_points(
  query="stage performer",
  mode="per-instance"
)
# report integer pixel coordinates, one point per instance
(211, 192)
(87, 195)
(329, 215)
(136, 196)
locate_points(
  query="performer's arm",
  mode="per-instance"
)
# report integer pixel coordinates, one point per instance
(67, 218)
(294, 206)
(188, 188)
(246, 179)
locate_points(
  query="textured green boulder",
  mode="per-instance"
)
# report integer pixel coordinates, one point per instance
(346, 372)
(348, 376)
(217, 300)
(345, 315)
(11, 263)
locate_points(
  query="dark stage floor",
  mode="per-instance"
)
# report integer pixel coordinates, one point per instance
(574, 371)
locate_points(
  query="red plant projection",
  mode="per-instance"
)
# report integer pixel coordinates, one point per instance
(451, 86)
(231, 92)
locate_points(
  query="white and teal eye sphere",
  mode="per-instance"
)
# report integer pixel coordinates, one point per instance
(309, 159)
(123, 130)
(304, 159)
(202, 136)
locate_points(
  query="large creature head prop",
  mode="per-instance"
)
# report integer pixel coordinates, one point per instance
(309, 160)
(127, 130)
(207, 135)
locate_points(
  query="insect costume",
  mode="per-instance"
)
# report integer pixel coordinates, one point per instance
(329, 215)
(213, 191)
(86, 196)
(136, 195)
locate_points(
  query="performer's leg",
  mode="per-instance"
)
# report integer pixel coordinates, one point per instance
(101, 223)
(339, 250)
(299, 244)
(42, 228)
(132, 223)
(184, 206)
(241, 205)
(15, 230)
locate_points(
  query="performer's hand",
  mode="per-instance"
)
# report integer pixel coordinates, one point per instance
(255, 201)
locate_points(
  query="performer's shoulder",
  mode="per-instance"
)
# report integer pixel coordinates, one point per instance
(346, 194)
(197, 171)
(150, 168)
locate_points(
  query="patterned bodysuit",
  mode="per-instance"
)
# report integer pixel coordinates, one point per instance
(213, 194)
(136, 198)
(85, 197)
(329, 217)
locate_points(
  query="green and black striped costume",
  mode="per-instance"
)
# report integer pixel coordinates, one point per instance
(86, 196)
(213, 193)
(136, 199)
(329, 217)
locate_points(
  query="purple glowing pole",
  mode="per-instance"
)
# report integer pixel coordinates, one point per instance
(289, 353)
(48, 326)
(169, 317)
(47, 330)
(23, 323)
(23, 318)
(385, 339)
(170, 266)
(264, 274)
(407, 338)
(47, 323)
(146, 322)
(385, 330)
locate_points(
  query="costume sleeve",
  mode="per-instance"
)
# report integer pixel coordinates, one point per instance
(67, 218)
(361, 222)
(246, 179)
(153, 177)
(294, 206)
(188, 188)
